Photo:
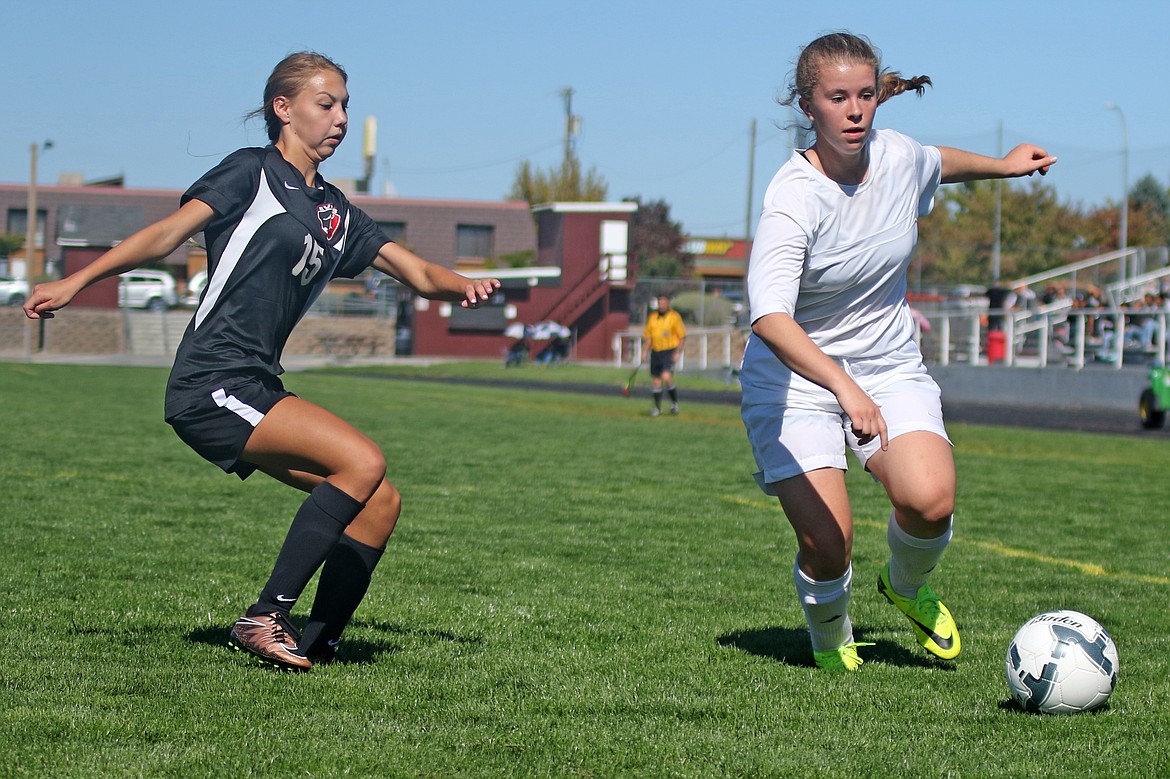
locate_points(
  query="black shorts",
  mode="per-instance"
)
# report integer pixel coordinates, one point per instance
(218, 421)
(661, 362)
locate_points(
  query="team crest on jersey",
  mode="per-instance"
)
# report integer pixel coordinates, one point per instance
(330, 219)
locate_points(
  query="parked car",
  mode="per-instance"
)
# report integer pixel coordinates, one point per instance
(13, 292)
(195, 286)
(151, 289)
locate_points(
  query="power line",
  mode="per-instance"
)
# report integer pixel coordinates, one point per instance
(738, 138)
(475, 165)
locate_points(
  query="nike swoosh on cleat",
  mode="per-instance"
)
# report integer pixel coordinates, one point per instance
(943, 643)
(333, 641)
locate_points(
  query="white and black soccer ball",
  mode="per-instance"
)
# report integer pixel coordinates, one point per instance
(1061, 662)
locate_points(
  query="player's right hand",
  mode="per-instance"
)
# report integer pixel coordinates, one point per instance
(865, 417)
(47, 298)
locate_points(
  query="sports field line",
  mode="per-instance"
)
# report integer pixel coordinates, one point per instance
(1088, 569)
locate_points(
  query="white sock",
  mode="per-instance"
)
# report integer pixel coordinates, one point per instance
(911, 558)
(826, 609)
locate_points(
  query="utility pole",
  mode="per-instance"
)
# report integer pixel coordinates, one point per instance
(747, 222)
(1123, 237)
(369, 152)
(30, 269)
(995, 247)
(572, 125)
(33, 269)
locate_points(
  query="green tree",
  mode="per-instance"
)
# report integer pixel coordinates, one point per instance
(1037, 232)
(9, 243)
(1149, 217)
(1148, 194)
(519, 259)
(656, 242)
(565, 183)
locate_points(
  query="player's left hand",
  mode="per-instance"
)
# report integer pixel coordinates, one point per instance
(479, 291)
(1026, 159)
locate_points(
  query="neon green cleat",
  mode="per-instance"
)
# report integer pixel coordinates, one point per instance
(933, 625)
(843, 658)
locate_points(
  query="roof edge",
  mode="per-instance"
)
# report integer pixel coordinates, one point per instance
(587, 208)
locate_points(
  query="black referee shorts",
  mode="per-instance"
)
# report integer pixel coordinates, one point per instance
(661, 361)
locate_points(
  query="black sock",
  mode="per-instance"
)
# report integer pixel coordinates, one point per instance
(319, 523)
(657, 398)
(344, 581)
(673, 394)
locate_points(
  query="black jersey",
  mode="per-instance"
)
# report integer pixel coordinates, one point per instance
(272, 246)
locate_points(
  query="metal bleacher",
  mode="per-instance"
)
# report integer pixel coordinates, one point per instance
(1065, 316)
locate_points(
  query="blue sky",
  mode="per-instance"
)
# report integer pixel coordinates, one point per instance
(463, 91)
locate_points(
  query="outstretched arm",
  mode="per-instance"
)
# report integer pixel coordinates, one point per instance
(1024, 160)
(148, 244)
(431, 280)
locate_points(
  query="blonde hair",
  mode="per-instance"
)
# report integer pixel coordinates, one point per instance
(846, 47)
(289, 77)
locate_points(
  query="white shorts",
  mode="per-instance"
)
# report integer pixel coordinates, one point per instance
(795, 426)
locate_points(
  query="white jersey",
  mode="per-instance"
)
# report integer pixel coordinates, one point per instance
(835, 257)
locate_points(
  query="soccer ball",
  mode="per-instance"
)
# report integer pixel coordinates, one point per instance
(1061, 662)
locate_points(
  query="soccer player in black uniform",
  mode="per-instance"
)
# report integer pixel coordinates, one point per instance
(276, 233)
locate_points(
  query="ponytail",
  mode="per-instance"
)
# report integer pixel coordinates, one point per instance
(846, 47)
(891, 83)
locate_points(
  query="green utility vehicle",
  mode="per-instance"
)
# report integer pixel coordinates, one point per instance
(1155, 399)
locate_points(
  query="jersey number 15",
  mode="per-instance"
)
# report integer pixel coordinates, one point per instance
(310, 262)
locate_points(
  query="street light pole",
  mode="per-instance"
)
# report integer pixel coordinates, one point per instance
(32, 270)
(995, 247)
(1123, 240)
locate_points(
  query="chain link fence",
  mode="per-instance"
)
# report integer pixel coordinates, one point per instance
(334, 329)
(716, 316)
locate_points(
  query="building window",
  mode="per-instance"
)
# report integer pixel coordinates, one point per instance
(491, 315)
(18, 224)
(395, 231)
(473, 241)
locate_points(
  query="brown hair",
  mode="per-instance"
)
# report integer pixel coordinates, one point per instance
(846, 47)
(288, 78)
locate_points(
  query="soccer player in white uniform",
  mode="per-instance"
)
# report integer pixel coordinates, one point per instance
(276, 234)
(832, 363)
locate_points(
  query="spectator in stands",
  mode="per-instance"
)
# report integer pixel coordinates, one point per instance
(1025, 298)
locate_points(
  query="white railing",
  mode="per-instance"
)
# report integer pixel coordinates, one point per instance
(706, 348)
(1123, 263)
(1135, 287)
(1052, 336)
(1043, 338)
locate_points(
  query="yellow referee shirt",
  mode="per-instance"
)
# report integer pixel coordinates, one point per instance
(664, 331)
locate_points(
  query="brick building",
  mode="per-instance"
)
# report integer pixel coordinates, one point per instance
(582, 280)
(563, 262)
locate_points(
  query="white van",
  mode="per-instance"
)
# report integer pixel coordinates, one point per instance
(13, 292)
(195, 286)
(151, 289)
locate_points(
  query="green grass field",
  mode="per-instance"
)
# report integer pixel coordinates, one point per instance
(575, 589)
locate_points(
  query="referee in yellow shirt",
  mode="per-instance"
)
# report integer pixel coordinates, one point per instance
(663, 337)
